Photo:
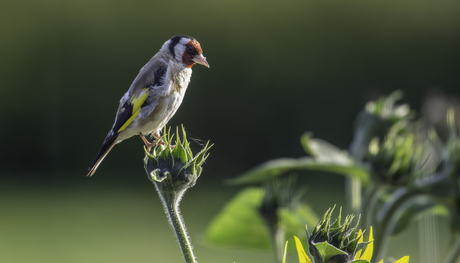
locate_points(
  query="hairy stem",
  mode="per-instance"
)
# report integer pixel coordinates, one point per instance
(170, 201)
(178, 226)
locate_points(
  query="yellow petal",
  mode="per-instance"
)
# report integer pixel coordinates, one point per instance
(367, 255)
(403, 260)
(381, 261)
(303, 258)
(358, 254)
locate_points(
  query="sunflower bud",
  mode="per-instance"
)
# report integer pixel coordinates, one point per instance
(335, 242)
(174, 168)
(375, 120)
(396, 159)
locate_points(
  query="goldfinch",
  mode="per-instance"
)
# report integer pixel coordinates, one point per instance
(155, 94)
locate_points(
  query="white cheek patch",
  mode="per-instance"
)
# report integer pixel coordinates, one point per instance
(179, 49)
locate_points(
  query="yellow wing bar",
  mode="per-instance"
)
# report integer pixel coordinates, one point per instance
(137, 103)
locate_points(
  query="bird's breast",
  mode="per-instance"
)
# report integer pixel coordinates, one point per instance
(162, 113)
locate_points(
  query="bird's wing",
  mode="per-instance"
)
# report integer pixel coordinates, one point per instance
(127, 112)
(130, 110)
(150, 76)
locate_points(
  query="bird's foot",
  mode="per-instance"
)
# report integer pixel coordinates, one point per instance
(150, 145)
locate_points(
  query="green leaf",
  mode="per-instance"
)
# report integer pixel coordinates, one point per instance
(293, 222)
(280, 166)
(327, 251)
(239, 224)
(325, 157)
(323, 151)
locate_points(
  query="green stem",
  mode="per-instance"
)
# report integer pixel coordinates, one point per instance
(170, 201)
(358, 149)
(370, 199)
(385, 219)
(278, 241)
(178, 226)
(276, 233)
(454, 254)
(353, 192)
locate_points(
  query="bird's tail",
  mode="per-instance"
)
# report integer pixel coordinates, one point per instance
(105, 149)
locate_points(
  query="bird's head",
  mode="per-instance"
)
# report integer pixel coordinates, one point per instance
(186, 50)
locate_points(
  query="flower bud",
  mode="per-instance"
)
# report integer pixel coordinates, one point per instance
(174, 168)
(335, 242)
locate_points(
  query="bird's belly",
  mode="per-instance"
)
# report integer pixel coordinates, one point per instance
(154, 120)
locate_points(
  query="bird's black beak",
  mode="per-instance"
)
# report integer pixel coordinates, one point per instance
(200, 59)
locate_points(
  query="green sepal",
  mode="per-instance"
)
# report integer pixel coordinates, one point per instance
(360, 261)
(156, 175)
(326, 251)
(354, 246)
(362, 244)
(179, 151)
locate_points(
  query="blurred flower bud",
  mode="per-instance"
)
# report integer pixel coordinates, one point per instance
(375, 120)
(396, 158)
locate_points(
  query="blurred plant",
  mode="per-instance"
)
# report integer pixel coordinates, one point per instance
(279, 195)
(337, 243)
(173, 169)
(373, 121)
(258, 215)
(389, 158)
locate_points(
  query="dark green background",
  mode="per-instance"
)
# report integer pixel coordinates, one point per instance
(278, 69)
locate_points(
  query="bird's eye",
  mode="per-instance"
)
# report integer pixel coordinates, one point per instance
(189, 49)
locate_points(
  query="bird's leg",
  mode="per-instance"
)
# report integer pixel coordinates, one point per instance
(157, 135)
(158, 139)
(147, 143)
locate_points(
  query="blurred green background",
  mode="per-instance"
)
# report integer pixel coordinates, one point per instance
(278, 69)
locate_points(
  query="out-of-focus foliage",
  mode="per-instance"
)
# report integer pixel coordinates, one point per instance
(240, 224)
(324, 157)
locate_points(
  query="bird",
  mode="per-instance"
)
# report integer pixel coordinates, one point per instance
(154, 96)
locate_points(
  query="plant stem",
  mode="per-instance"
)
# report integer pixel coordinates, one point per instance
(178, 226)
(386, 216)
(171, 200)
(454, 254)
(358, 148)
(278, 240)
(370, 199)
